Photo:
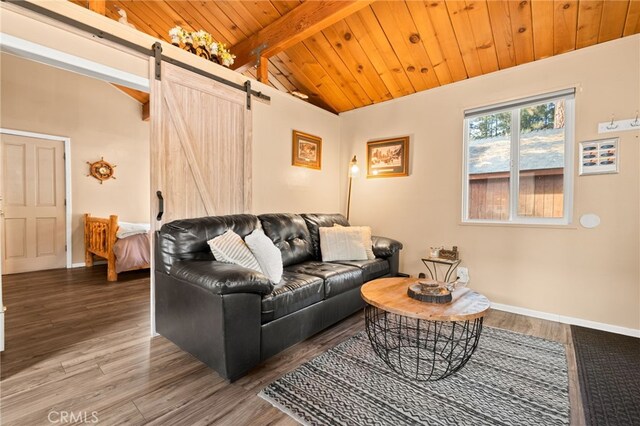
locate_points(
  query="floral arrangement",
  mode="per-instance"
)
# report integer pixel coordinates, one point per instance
(202, 44)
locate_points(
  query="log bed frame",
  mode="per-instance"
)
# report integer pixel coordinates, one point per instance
(99, 240)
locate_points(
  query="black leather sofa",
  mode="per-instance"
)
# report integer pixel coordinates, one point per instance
(232, 318)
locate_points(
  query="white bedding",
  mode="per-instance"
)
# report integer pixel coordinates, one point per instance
(127, 229)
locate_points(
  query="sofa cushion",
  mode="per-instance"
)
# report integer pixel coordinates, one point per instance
(290, 234)
(186, 239)
(371, 269)
(315, 221)
(337, 278)
(295, 291)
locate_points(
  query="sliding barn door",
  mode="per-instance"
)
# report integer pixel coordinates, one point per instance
(200, 150)
(201, 146)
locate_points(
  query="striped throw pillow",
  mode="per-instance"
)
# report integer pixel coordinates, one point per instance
(341, 243)
(367, 241)
(230, 248)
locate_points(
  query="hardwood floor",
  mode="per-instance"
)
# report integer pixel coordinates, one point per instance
(78, 344)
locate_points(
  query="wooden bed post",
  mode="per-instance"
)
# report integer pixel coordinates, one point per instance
(111, 241)
(88, 256)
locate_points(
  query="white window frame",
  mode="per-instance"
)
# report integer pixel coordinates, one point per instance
(514, 181)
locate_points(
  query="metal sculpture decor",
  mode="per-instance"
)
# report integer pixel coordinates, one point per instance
(201, 43)
(101, 170)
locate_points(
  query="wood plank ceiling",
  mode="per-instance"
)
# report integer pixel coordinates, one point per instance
(389, 49)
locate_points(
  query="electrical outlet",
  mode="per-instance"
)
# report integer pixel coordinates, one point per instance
(463, 274)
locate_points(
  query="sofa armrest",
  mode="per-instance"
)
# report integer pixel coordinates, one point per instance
(221, 278)
(385, 247)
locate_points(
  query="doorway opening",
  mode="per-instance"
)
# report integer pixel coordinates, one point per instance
(55, 303)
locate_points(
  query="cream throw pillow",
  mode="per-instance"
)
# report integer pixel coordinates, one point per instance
(366, 239)
(230, 248)
(341, 243)
(267, 254)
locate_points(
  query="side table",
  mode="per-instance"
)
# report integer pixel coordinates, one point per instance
(452, 265)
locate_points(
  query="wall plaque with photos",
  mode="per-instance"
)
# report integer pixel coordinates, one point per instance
(388, 157)
(599, 156)
(307, 150)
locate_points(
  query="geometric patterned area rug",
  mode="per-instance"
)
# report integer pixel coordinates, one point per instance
(511, 379)
(609, 373)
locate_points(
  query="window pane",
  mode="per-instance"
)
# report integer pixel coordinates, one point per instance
(541, 162)
(489, 155)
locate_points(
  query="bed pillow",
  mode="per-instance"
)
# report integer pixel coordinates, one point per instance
(341, 243)
(365, 231)
(266, 253)
(126, 229)
(230, 248)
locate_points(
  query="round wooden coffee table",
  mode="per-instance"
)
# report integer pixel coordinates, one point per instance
(419, 340)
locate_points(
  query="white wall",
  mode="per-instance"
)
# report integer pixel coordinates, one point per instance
(101, 122)
(277, 185)
(592, 274)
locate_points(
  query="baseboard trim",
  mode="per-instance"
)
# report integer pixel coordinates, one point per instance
(83, 264)
(567, 320)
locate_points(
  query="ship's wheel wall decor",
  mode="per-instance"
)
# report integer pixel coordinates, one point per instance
(101, 170)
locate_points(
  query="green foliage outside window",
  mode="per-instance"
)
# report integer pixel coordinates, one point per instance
(534, 118)
(490, 126)
(537, 117)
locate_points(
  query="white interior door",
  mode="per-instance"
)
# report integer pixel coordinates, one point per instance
(33, 204)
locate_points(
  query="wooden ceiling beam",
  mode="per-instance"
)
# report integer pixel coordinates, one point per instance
(302, 22)
(139, 96)
(146, 111)
(263, 70)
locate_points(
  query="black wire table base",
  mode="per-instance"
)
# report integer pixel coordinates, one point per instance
(420, 349)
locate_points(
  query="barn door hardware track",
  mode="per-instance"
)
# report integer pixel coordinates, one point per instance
(246, 87)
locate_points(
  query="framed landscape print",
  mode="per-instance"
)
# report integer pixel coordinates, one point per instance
(388, 157)
(307, 150)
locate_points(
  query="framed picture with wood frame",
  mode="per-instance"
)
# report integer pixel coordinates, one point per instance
(388, 157)
(307, 150)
